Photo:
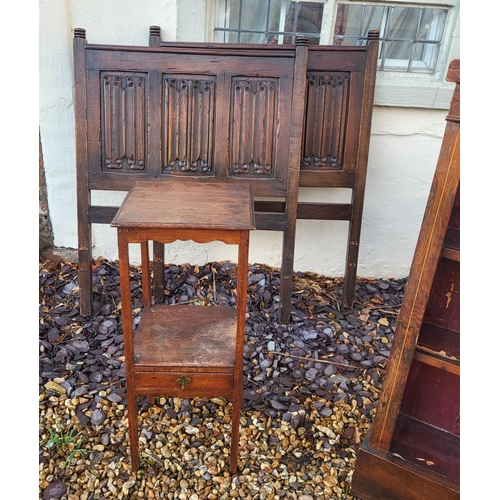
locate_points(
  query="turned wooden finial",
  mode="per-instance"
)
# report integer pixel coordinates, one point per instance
(302, 40)
(154, 31)
(79, 33)
(453, 75)
(154, 36)
(373, 34)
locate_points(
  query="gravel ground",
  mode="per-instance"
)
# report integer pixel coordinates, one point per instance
(310, 393)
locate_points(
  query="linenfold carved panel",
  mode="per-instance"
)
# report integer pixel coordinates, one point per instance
(326, 119)
(253, 126)
(123, 120)
(188, 122)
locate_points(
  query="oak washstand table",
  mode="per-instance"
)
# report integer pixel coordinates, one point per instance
(184, 350)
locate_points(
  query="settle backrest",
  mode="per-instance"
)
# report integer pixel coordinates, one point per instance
(154, 112)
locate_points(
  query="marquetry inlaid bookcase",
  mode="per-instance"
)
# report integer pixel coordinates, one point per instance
(412, 451)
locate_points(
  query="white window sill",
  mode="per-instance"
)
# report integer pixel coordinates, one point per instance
(413, 92)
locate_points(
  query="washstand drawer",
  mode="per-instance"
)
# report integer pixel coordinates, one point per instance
(183, 382)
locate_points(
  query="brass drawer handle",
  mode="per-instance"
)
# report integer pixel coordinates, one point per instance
(183, 382)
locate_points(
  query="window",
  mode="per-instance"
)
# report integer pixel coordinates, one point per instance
(267, 21)
(417, 37)
(410, 37)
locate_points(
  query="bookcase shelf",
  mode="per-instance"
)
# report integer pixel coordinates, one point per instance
(439, 347)
(451, 245)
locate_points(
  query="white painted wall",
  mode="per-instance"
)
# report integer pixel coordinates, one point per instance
(404, 149)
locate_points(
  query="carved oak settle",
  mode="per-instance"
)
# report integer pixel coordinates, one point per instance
(209, 111)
